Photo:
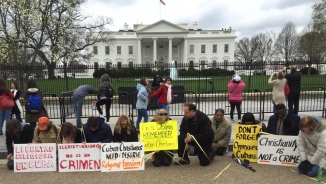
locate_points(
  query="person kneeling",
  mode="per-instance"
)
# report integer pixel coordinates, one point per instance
(124, 130)
(312, 145)
(46, 132)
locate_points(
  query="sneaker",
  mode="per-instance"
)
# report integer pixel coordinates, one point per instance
(232, 121)
(101, 116)
(182, 162)
(191, 150)
(239, 122)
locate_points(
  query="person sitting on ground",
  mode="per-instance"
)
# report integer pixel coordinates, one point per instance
(46, 132)
(312, 145)
(248, 118)
(97, 131)
(283, 122)
(17, 133)
(70, 134)
(124, 130)
(162, 157)
(222, 132)
(197, 124)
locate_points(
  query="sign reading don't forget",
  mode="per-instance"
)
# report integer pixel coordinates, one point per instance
(159, 136)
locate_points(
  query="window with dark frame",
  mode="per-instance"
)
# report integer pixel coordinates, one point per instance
(107, 50)
(203, 48)
(175, 50)
(118, 49)
(95, 51)
(131, 50)
(214, 49)
(226, 48)
(192, 49)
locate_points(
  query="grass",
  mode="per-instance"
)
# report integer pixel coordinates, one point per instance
(57, 86)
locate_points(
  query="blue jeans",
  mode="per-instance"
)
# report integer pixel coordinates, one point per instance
(4, 115)
(141, 113)
(78, 103)
(312, 173)
(163, 106)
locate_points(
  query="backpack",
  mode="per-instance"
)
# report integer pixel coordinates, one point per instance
(108, 91)
(34, 104)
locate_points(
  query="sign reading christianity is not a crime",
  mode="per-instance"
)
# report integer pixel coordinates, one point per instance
(35, 157)
(159, 136)
(79, 157)
(278, 150)
(125, 156)
(245, 145)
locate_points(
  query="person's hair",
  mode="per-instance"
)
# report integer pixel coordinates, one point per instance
(68, 130)
(248, 118)
(280, 75)
(143, 81)
(191, 106)
(308, 122)
(3, 86)
(293, 68)
(280, 107)
(219, 110)
(122, 118)
(31, 84)
(92, 122)
(13, 124)
(161, 119)
(167, 78)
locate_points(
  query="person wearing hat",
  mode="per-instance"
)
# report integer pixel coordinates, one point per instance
(312, 145)
(235, 88)
(46, 132)
(17, 133)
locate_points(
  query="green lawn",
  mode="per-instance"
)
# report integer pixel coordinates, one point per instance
(57, 86)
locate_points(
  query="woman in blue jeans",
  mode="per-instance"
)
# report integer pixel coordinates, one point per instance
(142, 101)
(4, 111)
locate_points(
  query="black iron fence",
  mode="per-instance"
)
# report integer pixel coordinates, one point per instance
(254, 100)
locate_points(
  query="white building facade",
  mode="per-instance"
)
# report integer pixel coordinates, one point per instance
(163, 42)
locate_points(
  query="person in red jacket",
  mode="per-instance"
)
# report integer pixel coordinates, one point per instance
(165, 94)
(4, 111)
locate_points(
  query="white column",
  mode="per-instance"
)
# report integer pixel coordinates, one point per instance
(154, 50)
(185, 50)
(170, 50)
(139, 51)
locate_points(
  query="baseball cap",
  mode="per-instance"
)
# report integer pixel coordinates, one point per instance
(237, 78)
(43, 123)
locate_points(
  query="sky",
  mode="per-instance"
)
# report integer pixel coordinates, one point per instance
(248, 17)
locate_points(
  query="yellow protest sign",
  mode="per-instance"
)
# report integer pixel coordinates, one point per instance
(159, 136)
(245, 145)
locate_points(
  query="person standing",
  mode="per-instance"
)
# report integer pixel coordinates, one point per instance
(294, 82)
(33, 96)
(17, 109)
(157, 80)
(4, 111)
(104, 97)
(165, 94)
(278, 94)
(235, 88)
(78, 97)
(142, 101)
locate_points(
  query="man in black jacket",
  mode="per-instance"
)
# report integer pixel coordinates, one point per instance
(197, 124)
(157, 80)
(294, 82)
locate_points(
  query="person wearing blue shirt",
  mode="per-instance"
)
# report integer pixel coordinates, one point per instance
(96, 130)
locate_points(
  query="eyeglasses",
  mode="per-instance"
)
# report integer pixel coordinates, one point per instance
(163, 114)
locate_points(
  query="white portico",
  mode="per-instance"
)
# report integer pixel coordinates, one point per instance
(163, 42)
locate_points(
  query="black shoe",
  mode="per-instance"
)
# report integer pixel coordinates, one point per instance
(1, 133)
(182, 162)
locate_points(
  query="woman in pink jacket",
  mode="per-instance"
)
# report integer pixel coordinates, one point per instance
(235, 88)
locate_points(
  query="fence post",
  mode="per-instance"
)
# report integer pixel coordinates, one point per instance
(65, 74)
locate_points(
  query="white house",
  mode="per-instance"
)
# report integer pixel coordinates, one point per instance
(164, 41)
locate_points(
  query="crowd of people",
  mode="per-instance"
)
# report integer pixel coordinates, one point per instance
(199, 135)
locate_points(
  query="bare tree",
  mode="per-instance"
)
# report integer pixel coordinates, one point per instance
(319, 15)
(245, 51)
(287, 43)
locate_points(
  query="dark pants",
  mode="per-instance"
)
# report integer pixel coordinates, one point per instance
(33, 124)
(17, 116)
(293, 100)
(220, 151)
(233, 106)
(203, 160)
(162, 159)
(107, 103)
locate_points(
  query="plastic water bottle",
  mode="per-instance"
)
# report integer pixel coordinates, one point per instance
(320, 174)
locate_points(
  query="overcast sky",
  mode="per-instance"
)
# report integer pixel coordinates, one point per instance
(246, 17)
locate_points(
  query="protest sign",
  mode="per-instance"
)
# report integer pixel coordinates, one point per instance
(245, 145)
(125, 156)
(79, 157)
(35, 157)
(278, 150)
(159, 136)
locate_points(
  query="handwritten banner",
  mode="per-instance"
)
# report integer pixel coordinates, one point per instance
(79, 157)
(245, 145)
(35, 157)
(159, 136)
(278, 150)
(126, 156)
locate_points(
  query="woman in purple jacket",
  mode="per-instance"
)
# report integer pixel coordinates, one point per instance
(235, 88)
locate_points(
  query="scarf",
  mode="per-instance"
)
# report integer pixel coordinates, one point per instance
(168, 96)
